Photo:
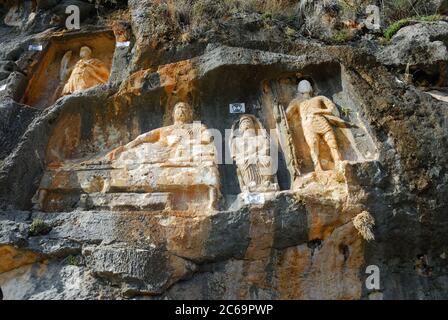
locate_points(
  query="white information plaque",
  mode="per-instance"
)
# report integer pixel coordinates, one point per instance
(237, 108)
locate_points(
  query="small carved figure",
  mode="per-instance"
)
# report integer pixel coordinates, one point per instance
(87, 72)
(317, 119)
(250, 148)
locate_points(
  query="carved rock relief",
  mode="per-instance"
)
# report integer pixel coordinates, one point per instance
(152, 172)
(60, 63)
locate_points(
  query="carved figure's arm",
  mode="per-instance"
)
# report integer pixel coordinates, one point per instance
(206, 136)
(264, 153)
(98, 70)
(232, 149)
(329, 106)
(149, 137)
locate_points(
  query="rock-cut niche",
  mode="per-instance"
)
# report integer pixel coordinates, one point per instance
(102, 156)
(59, 61)
(332, 86)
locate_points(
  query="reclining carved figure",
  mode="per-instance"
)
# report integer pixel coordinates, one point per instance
(175, 164)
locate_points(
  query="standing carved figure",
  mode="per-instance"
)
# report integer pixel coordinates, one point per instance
(250, 148)
(317, 119)
(87, 72)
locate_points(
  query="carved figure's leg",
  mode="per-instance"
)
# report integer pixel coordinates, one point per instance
(312, 139)
(330, 139)
(254, 176)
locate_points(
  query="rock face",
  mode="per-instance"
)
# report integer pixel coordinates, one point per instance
(100, 199)
(413, 43)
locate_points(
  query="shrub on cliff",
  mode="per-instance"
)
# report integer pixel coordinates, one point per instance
(396, 10)
(39, 227)
(395, 27)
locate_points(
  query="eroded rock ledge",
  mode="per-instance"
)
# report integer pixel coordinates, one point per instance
(275, 250)
(301, 243)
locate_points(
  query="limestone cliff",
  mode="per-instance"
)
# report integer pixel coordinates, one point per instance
(92, 207)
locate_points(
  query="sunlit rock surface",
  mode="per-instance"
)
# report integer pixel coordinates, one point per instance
(81, 218)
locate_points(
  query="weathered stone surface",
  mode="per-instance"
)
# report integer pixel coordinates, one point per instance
(52, 282)
(147, 253)
(297, 272)
(13, 227)
(13, 258)
(422, 43)
(142, 271)
(14, 120)
(296, 243)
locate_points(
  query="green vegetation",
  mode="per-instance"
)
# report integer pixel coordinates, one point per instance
(290, 32)
(396, 26)
(161, 9)
(266, 15)
(39, 227)
(341, 36)
(72, 260)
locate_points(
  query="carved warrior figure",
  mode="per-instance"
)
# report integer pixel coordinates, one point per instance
(87, 72)
(317, 119)
(250, 148)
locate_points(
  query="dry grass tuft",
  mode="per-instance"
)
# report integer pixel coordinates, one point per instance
(186, 20)
(364, 223)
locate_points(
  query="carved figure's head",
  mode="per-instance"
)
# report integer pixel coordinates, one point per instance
(305, 87)
(246, 123)
(183, 113)
(85, 52)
